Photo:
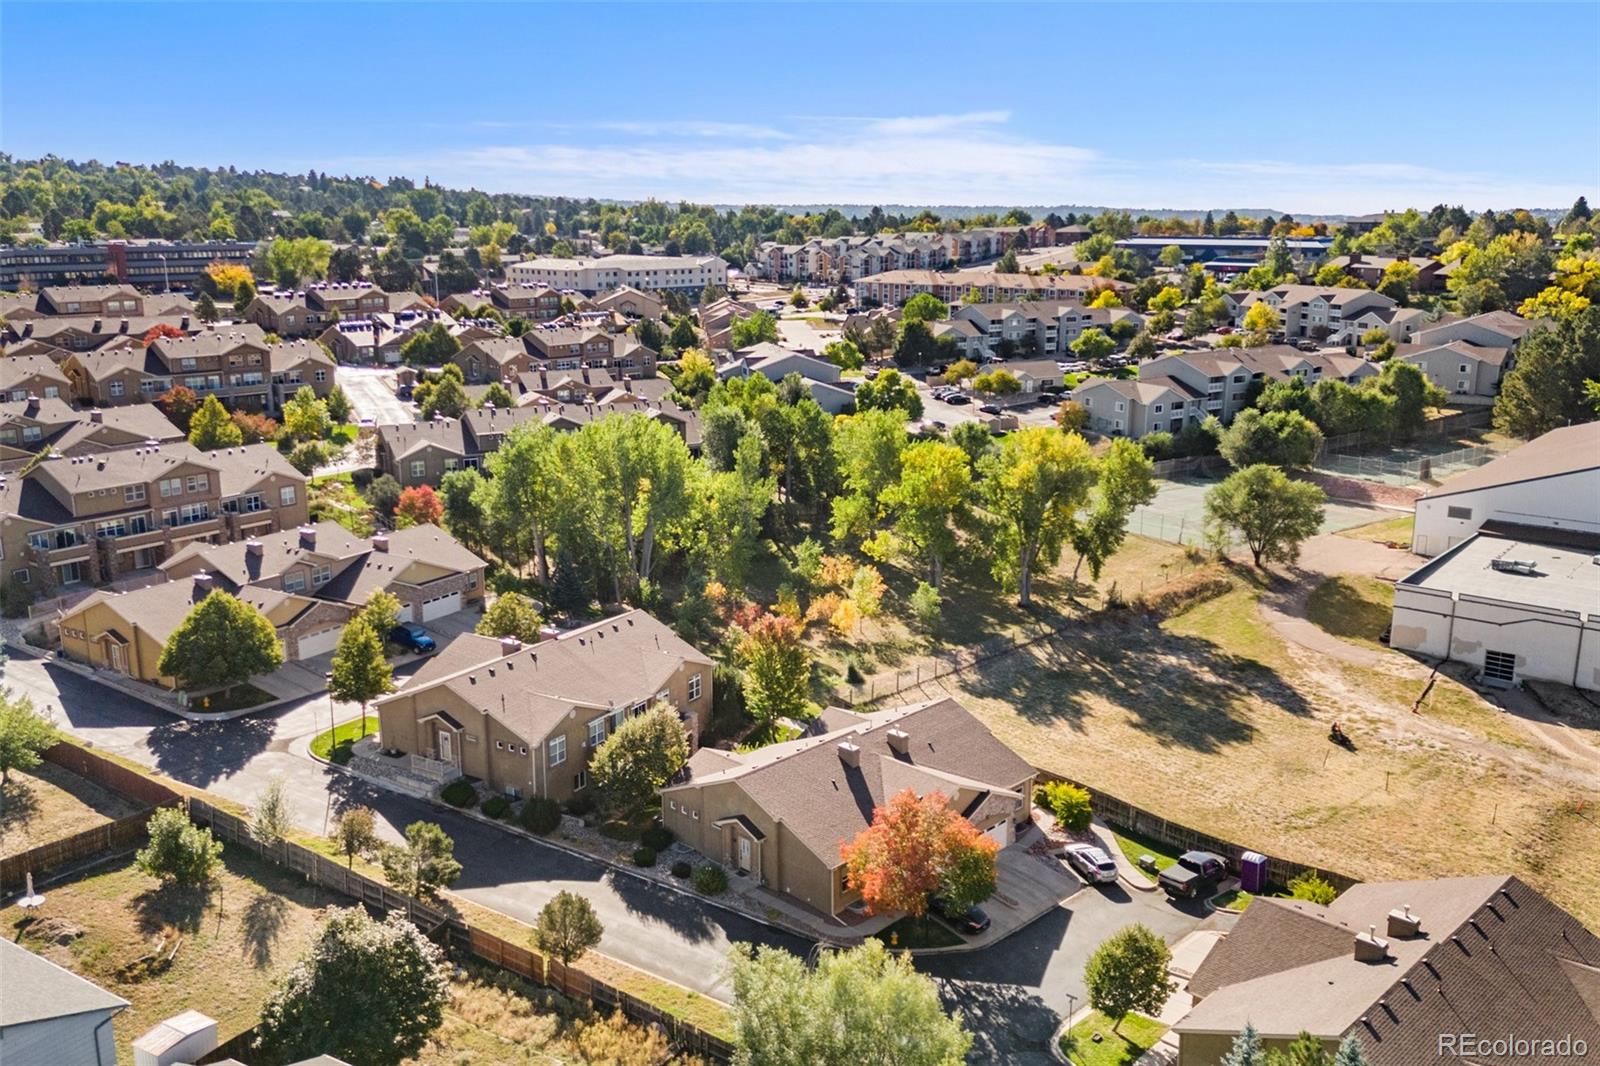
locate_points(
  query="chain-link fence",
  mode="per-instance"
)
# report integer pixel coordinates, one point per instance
(1409, 471)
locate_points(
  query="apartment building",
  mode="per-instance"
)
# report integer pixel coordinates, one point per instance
(22, 376)
(379, 337)
(1468, 357)
(346, 298)
(536, 303)
(630, 303)
(89, 518)
(422, 453)
(1175, 389)
(898, 286)
(1046, 328)
(34, 424)
(149, 264)
(295, 364)
(57, 335)
(493, 359)
(527, 719)
(1312, 312)
(650, 273)
(836, 259)
(229, 362)
(1304, 251)
(716, 320)
(1369, 269)
(564, 347)
(286, 313)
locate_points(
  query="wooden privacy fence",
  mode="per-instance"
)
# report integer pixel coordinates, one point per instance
(112, 836)
(1129, 818)
(451, 931)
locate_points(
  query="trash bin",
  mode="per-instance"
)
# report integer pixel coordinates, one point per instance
(1253, 871)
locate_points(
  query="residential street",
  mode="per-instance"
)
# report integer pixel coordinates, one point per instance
(1014, 993)
(371, 393)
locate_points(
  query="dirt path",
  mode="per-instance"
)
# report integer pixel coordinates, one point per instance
(1322, 557)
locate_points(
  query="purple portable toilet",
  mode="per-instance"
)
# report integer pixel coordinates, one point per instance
(1253, 871)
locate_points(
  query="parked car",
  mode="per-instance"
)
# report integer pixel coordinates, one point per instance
(1195, 873)
(1307, 346)
(413, 637)
(1092, 862)
(971, 921)
(989, 409)
(1223, 331)
(958, 399)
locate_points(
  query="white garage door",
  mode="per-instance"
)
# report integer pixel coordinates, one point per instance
(314, 644)
(1001, 833)
(443, 605)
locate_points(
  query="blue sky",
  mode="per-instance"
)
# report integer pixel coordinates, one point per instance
(1301, 107)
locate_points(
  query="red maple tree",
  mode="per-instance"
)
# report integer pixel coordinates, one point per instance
(420, 504)
(914, 847)
(161, 329)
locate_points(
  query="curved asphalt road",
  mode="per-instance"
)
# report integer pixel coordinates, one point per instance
(1013, 993)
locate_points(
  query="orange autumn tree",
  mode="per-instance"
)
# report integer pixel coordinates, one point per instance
(917, 846)
(418, 506)
(161, 329)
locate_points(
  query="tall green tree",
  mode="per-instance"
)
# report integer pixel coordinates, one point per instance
(753, 329)
(733, 506)
(864, 1005)
(1125, 480)
(1545, 389)
(223, 641)
(870, 445)
(462, 493)
(523, 494)
(370, 993)
(25, 734)
(178, 851)
(777, 670)
(305, 415)
(925, 307)
(641, 755)
(932, 495)
(293, 261)
(511, 615)
(1281, 438)
(212, 427)
(1032, 486)
(1269, 511)
(1127, 973)
(890, 391)
(1410, 394)
(361, 673)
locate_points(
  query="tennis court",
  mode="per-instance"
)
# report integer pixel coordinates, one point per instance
(1178, 513)
(1413, 462)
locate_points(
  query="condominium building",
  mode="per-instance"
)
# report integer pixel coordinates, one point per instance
(149, 264)
(230, 362)
(72, 519)
(649, 273)
(898, 286)
(1327, 315)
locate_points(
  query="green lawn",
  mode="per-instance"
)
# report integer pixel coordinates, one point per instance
(1395, 530)
(236, 698)
(1136, 1035)
(1236, 900)
(768, 733)
(924, 932)
(1134, 845)
(343, 434)
(1352, 607)
(335, 744)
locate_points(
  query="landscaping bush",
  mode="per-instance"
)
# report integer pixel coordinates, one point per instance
(496, 806)
(580, 804)
(1068, 802)
(681, 870)
(459, 793)
(852, 672)
(658, 837)
(540, 815)
(644, 857)
(1310, 886)
(710, 880)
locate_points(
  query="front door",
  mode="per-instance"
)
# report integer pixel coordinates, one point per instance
(119, 660)
(447, 748)
(744, 853)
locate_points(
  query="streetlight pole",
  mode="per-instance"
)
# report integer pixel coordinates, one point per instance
(166, 280)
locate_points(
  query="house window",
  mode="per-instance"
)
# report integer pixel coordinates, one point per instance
(558, 750)
(171, 486)
(51, 392)
(321, 574)
(321, 375)
(133, 493)
(1458, 512)
(115, 388)
(580, 780)
(286, 496)
(418, 468)
(198, 483)
(1462, 369)
(597, 732)
(694, 688)
(294, 581)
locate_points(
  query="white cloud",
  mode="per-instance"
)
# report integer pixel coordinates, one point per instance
(959, 158)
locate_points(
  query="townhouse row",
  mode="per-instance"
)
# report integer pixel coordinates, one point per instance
(951, 286)
(835, 259)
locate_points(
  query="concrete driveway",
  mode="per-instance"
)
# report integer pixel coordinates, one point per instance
(371, 393)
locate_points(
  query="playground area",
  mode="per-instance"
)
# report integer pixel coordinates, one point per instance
(1178, 513)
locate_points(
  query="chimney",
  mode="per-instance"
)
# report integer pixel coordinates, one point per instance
(899, 741)
(849, 754)
(380, 542)
(308, 537)
(183, 323)
(510, 645)
(1370, 947)
(254, 548)
(203, 582)
(1403, 924)
(97, 416)
(33, 404)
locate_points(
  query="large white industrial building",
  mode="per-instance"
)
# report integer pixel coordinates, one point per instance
(1552, 482)
(1514, 586)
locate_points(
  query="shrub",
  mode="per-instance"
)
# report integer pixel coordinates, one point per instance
(309, 455)
(658, 837)
(496, 806)
(459, 793)
(1312, 887)
(644, 857)
(852, 672)
(710, 880)
(15, 598)
(1068, 802)
(681, 870)
(540, 815)
(179, 851)
(925, 604)
(580, 804)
